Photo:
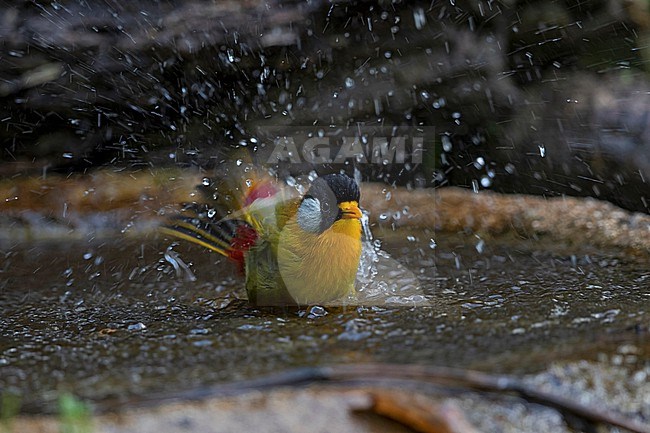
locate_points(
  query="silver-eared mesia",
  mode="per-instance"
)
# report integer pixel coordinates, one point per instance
(302, 251)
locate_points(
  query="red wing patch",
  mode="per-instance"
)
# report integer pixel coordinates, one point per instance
(245, 237)
(262, 189)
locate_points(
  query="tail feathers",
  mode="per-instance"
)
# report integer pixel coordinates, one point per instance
(230, 237)
(235, 234)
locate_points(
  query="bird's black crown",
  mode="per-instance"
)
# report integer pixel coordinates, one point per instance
(343, 187)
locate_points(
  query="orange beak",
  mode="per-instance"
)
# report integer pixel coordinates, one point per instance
(350, 210)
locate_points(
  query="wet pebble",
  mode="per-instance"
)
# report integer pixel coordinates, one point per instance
(316, 311)
(353, 332)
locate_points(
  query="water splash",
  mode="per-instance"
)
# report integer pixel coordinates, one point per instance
(382, 280)
(179, 265)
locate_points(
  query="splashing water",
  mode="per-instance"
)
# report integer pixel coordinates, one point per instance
(180, 267)
(382, 280)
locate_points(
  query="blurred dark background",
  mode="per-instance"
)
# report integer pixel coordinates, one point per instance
(523, 96)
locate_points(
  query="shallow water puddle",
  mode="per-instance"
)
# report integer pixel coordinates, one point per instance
(114, 318)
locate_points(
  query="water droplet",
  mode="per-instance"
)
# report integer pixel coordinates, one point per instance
(419, 18)
(137, 327)
(88, 256)
(349, 82)
(65, 296)
(206, 181)
(446, 143)
(432, 244)
(480, 246)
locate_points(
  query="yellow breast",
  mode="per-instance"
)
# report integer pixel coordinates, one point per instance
(319, 268)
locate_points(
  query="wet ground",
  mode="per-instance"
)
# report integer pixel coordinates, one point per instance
(112, 319)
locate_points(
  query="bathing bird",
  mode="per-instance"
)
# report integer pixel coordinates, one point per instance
(292, 250)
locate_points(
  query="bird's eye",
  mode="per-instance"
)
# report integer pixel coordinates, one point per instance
(325, 207)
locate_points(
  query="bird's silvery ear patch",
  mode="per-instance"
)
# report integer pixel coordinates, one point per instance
(309, 215)
(322, 191)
